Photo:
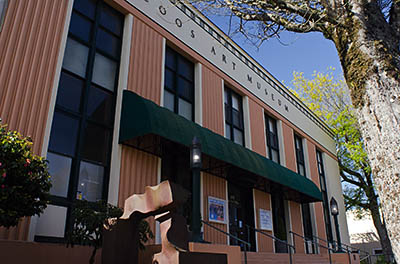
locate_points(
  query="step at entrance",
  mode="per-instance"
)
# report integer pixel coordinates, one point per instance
(279, 258)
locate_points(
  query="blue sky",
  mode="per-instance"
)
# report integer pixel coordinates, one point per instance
(292, 52)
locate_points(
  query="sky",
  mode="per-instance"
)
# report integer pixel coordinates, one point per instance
(292, 52)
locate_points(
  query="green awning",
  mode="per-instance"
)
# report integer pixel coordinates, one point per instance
(140, 117)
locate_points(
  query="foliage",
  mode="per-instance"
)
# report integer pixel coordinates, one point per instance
(329, 99)
(381, 260)
(24, 178)
(89, 219)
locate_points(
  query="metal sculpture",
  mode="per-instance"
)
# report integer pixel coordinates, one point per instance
(121, 241)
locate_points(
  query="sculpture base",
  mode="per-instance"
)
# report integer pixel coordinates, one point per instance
(202, 258)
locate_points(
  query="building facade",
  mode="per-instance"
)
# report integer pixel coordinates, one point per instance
(112, 93)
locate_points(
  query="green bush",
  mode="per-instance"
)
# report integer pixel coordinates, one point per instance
(89, 218)
(24, 179)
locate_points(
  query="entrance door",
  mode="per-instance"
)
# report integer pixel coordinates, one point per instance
(241, 214)
(175, 168)
(278, 219)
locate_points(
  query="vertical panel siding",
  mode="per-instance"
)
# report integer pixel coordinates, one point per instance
(146, 62)
(297, 226)
(212, 101)
(262, 201)
(138, 170)
(288, 142)
(215, 187)
(20, 232)
(257, 128)
(318, 209)
(29, 48)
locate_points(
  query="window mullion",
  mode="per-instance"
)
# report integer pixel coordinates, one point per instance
(89, 73)
(176, 95)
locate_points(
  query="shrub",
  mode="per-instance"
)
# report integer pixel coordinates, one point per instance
(24, 179)
(89, 218)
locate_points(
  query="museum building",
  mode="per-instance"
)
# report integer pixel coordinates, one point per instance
(112, 93)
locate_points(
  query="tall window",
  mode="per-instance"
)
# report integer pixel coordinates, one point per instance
(234, 128)
(322, 181)
(81, 133)
(179, 84)
(3, 9)
(301, 169)
(305, 208)
(272, 138)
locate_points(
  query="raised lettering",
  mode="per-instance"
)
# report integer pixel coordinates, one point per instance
(279, 102)
(223, 58)
(258, 85)
(249, 78)
(286, 108)
(178, 22)
(233, 66)
(272, 97)
(162, 10)
(213, 51)
(266, 91)
(192, 33)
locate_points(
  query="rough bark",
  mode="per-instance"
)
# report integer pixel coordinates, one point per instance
(369, 56)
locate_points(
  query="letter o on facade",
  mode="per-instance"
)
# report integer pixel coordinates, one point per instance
(178, 22)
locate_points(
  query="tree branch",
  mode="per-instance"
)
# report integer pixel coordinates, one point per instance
(301, 16)
(350, 202)
(361, 183)
(347, 179)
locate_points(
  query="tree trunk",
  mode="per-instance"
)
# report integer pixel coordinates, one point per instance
(381, 229)
(380, 129)
(92, 257)
(369, 56)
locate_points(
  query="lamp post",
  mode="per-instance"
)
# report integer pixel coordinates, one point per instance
(195, 165)
(335, 213)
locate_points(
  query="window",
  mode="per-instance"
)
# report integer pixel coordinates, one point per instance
(272, 138)
(3, 10)
(234, 128)
(81, 134)
(301, 169)
(179, 84)
(325, 200)
(305, 208)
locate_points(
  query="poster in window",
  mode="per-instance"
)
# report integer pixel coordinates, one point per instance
(216, 210)
(265, 219)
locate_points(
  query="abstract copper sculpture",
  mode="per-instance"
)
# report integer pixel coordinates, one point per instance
(121, 242)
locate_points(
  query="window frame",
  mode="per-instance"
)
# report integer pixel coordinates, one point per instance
(300, 159)
(308, 231)
(273, 134)
(228, 107)
(84, 117)
(324, 191)
(176, 74)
